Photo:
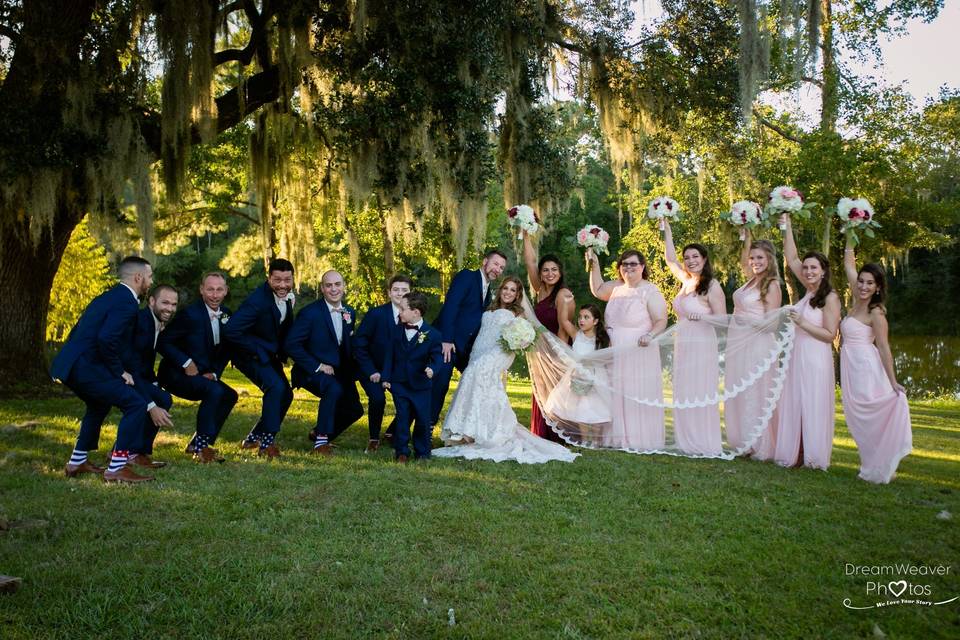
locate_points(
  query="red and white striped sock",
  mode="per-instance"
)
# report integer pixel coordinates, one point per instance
(118, 460)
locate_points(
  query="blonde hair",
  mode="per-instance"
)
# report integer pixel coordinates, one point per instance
(772, 273)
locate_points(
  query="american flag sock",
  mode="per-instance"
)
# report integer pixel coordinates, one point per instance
(78, 457)
(320, 441)
(267, 439)
(118, 460)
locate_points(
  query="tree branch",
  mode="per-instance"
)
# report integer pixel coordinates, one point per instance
(773, 127)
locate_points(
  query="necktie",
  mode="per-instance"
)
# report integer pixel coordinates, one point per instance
(487, 297)
(215, 325)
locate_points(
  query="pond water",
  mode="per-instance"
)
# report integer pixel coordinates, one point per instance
(927, 365)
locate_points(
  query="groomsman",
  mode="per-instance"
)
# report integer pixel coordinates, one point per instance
(194, 357)
(91, 365)
(370, 343)
(161, 305)
(459, 320)
(255, 334)
(415, 353)
(320, 346)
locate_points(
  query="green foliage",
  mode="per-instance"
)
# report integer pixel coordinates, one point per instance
(84, 274)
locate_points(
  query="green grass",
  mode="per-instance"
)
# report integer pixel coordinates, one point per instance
(614, 545)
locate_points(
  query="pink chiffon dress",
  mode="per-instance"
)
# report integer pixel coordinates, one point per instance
(635, 373)
(696, 377)
(746, 349)
(877, 416)
(806, 412)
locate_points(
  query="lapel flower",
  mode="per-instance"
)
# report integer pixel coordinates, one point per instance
(422, 337)
(346, 317)
(224, 318)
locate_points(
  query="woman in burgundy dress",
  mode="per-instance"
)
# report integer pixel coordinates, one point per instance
(555, 308)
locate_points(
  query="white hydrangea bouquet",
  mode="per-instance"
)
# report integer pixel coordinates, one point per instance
(524, 218)
(593, 237)
(787, 200)
(745, 214)
(517, 336)
(663, 207)
(856, 215)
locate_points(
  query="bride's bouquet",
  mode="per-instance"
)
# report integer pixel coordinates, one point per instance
(517, 336)
(745, 214)
(593, 237)
(783, 200)
(663, 207)
(856, 214)
(524, 218)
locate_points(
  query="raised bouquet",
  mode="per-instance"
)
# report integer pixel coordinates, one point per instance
(784, 200)
(745, 214)
(856, 215)
(663, 207)
(593, 237)
(517, 336)
(524, 218)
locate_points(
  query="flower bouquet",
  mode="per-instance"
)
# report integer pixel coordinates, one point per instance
(663, 207)
(593, 237)
(745, 214)
(581, 382)
(517, 336)
(524, 218)
(856, 214)
(783, 200)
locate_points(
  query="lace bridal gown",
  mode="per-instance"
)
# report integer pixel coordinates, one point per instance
(481, 423)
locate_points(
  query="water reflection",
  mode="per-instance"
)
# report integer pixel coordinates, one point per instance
(927, 365)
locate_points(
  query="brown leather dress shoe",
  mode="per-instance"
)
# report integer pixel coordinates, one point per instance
(312, 436)
(73, 470)
(372, 446)
(271, 452)
(324, 450)
(247, 444)
(125, 475)
(207, 454)
(191, 449)
(402, 459)
(145, 461)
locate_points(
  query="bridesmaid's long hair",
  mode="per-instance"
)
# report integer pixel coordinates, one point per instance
(706, 274)
(772, 274)
(601, 337)
(880, 296)
(552, 298)
(517, 305)
(639, 256)
(820, 297)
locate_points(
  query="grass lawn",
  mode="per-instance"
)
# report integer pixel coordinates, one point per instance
(613, 545)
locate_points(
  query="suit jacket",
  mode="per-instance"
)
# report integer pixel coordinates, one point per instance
(101, 336)
(140, 359)
(372, 339)
(462, 311)
(312, 341)
(190, 337)
(406, 359)
(255, 332)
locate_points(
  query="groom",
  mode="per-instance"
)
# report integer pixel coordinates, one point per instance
(459, 320)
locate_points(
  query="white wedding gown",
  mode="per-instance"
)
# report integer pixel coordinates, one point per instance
(481, 423)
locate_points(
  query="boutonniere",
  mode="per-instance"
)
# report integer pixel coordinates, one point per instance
(346, 317)
(422, 337)
(224, 319)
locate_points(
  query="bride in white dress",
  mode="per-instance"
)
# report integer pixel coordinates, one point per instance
(481, 423)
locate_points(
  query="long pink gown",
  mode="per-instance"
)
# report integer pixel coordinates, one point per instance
(807, 404)
(637, 373)
(746, 349)
(877, 416)
(696, 376)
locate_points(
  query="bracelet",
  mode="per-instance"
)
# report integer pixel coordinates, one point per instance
(850, 250)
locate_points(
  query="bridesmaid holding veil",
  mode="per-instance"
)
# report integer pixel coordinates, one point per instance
(696, 370)
(874, 403)
(554, 308)
(636, 313)
(806, 414)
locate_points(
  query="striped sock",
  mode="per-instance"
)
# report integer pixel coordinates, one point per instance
(118, 460)
(78, 457)
(267, 439)
(320, 441)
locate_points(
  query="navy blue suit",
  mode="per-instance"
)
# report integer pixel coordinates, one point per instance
(313, 341)
(256, 336)
(411, 388)
(370, 343)
(91, 364)
(141, 359)
(459, 322)
(189, 336)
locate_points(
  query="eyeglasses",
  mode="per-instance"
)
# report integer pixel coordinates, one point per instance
(629, 264)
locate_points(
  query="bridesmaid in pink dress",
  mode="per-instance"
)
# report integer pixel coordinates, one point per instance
(874, 403)
(745, 347)
(806, 413)
(696, 360)
(636, 312)
(555, 308)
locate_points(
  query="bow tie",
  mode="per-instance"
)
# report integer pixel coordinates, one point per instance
(336, 310)
(215, 314)
(407, 325)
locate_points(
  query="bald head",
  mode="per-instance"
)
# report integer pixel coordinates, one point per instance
(332, 287)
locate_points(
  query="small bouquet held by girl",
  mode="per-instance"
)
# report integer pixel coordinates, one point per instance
(517, 336)
(583, 394)
(745, 214)
(856, 214)
(524, 218)
(593, 237)
(786, 200)
(663, 207)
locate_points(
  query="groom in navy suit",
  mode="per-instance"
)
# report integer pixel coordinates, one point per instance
(413, 356)
(194, 357)
(370, 343)
(91, 364)
(256, 333)
(459, 319)
(320, 346)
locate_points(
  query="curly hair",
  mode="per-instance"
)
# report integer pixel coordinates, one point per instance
(880, 295)
(706, 274)
(517, 305)
(820, 297)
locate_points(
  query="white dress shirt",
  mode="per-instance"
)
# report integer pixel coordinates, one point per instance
(412, 332)
(135, 296)
(396, 313)
(336, 316)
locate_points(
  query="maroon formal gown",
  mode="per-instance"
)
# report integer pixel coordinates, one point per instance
(546, 313)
